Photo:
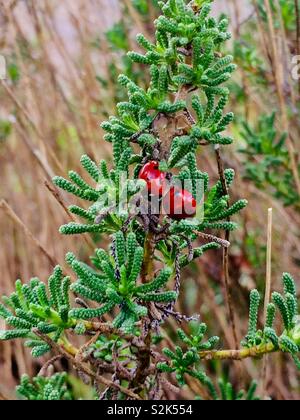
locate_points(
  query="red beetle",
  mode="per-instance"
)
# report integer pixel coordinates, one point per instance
(155, 179)
(179, 204)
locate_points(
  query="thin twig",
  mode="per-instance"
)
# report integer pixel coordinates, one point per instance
(278, 69)
(267, 295)
(137, 19)
(105, 328)
(36, 153)
(15, 218)
(31, 123)
(269, 263)
(237, 16)
(80, 356)
(263, 39)
(226, 252)
(83, 367)
(44, 369)
(286, 218)
(220, 241)
(56, 194)
(237, 354)
(147, 268)
(144, 353)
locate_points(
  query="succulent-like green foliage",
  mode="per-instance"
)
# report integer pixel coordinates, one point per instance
(104, 348)
(195, 341)
(41, 388)
(253, 316)
(187, 362)
(121, 299)
(286, 305)
(267, 163)
(185, 55)
(109, 189)
(180, 32)
(32, 307)
(117, 283)
(227, 392)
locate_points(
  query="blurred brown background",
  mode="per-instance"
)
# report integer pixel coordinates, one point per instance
(61, 85)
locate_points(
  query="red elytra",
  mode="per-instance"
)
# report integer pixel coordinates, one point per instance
(179, 204)
(154, 178)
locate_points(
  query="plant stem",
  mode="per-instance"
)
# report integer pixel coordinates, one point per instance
(269, 264)
(285, 54)
(149, 248)
(143, 364)
(109, 330)
(144, 353)
(68, 347)
(226, 253)
(220, 241)
(267, 295)
(253, 352)
(83, 367)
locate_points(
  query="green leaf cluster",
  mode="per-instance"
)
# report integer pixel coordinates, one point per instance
(187, 362)
(33, 307)
(268, 163)
(42, 388)
(286, 305)
(117, 284)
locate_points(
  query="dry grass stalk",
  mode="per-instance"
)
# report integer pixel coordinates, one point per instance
(10, 213)
(268, 289)
(279, 80)
(56, 121)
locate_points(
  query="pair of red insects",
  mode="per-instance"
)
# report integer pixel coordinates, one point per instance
(178, 203)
